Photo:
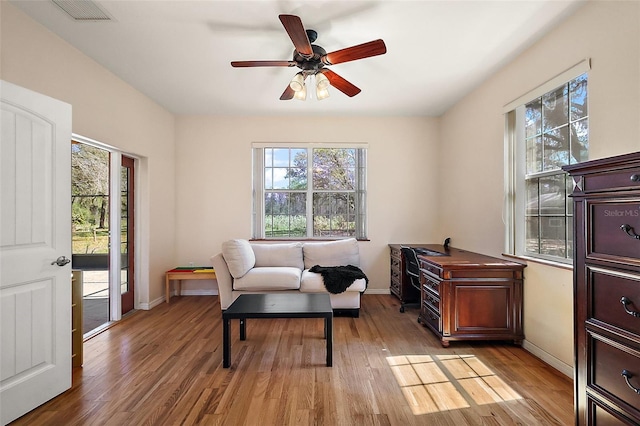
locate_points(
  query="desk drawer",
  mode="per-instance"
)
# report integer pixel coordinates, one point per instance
(431, 317)
(430, 285)
(610, 359)
(431, 299)
(607, 289)
(615, 230)
(431, 269)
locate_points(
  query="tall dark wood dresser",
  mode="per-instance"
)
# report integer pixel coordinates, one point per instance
(606, 208)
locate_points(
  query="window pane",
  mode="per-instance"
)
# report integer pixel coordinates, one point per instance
(281, 157)
(533, 118)
(579, 141)
(280, 179)
(285, 214)
(534, 155)
(333, 214)
(268, 178)
(554, 109)
(334, 168)
(298, 178)
(268, 157)
(570, 237)
(299, 158)
(556, 148)
(578, 95)
(532, 234)
(532, 199)
(552, 195)
(553, 236)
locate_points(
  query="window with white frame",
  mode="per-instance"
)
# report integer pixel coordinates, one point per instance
(309, 192)
(545, 132)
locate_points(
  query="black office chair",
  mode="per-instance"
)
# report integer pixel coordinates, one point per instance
(412, 269)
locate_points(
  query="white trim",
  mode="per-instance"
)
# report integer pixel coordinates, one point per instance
(356, 145)
(509, 204)
(115, 275)
(557, 81)
(377, 291)
(200, 292)
(546, 357)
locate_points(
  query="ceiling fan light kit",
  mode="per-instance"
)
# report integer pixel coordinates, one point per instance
(297, 83)
(312, 60)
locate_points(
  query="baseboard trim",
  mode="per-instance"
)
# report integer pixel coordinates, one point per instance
(559, 365)
(377, 291)
(200, 292)
(160, 300)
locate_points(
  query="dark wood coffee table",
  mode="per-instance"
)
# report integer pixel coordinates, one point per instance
(289, 305)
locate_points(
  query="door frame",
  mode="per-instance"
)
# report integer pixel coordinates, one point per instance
(128, 298)
(115, 260)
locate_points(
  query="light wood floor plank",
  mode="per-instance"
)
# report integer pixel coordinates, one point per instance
(164, 367)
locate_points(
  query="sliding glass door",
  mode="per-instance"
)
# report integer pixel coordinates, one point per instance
(94, 215)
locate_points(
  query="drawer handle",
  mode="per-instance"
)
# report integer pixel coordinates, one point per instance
(626, 301)
(635, 178)
(627, 376)
(629, 230)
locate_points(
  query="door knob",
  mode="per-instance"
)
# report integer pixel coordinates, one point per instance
(61, 261)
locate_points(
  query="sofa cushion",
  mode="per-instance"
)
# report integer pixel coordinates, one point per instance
(286, 254)
(313, 283)
(269, 278)
(331, 253)
(239, 257)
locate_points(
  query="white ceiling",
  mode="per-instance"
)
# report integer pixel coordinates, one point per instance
(178, 52)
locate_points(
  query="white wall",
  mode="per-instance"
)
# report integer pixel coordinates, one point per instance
(107, 110)
(472, 146)
(213, 170)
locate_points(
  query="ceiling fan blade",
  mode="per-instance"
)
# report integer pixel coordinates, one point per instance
(287, 94)
(293, 25)
(243, 64)
(361, 51)
(341, 84)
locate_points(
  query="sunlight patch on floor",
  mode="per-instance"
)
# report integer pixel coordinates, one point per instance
(433, 383)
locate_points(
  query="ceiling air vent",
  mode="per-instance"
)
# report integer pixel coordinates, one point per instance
(83, 10)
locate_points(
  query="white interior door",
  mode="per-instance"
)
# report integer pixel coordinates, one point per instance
(35, 230)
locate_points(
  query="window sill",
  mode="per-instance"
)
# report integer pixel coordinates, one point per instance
(528, 259)
(293, 240)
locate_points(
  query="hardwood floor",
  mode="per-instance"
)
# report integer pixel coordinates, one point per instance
(164, 366)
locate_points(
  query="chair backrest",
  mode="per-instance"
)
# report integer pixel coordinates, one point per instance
(412, 267)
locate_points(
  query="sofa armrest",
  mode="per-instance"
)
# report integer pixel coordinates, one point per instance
(225, 280)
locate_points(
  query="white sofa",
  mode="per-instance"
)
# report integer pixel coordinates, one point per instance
(244, 267)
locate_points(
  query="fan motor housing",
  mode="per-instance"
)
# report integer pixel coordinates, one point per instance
(313, 63)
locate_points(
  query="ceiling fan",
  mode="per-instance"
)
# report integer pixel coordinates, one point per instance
(313, 60)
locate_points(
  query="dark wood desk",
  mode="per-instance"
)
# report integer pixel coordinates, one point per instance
(400, 285)
(290, 305)
(470, 296)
